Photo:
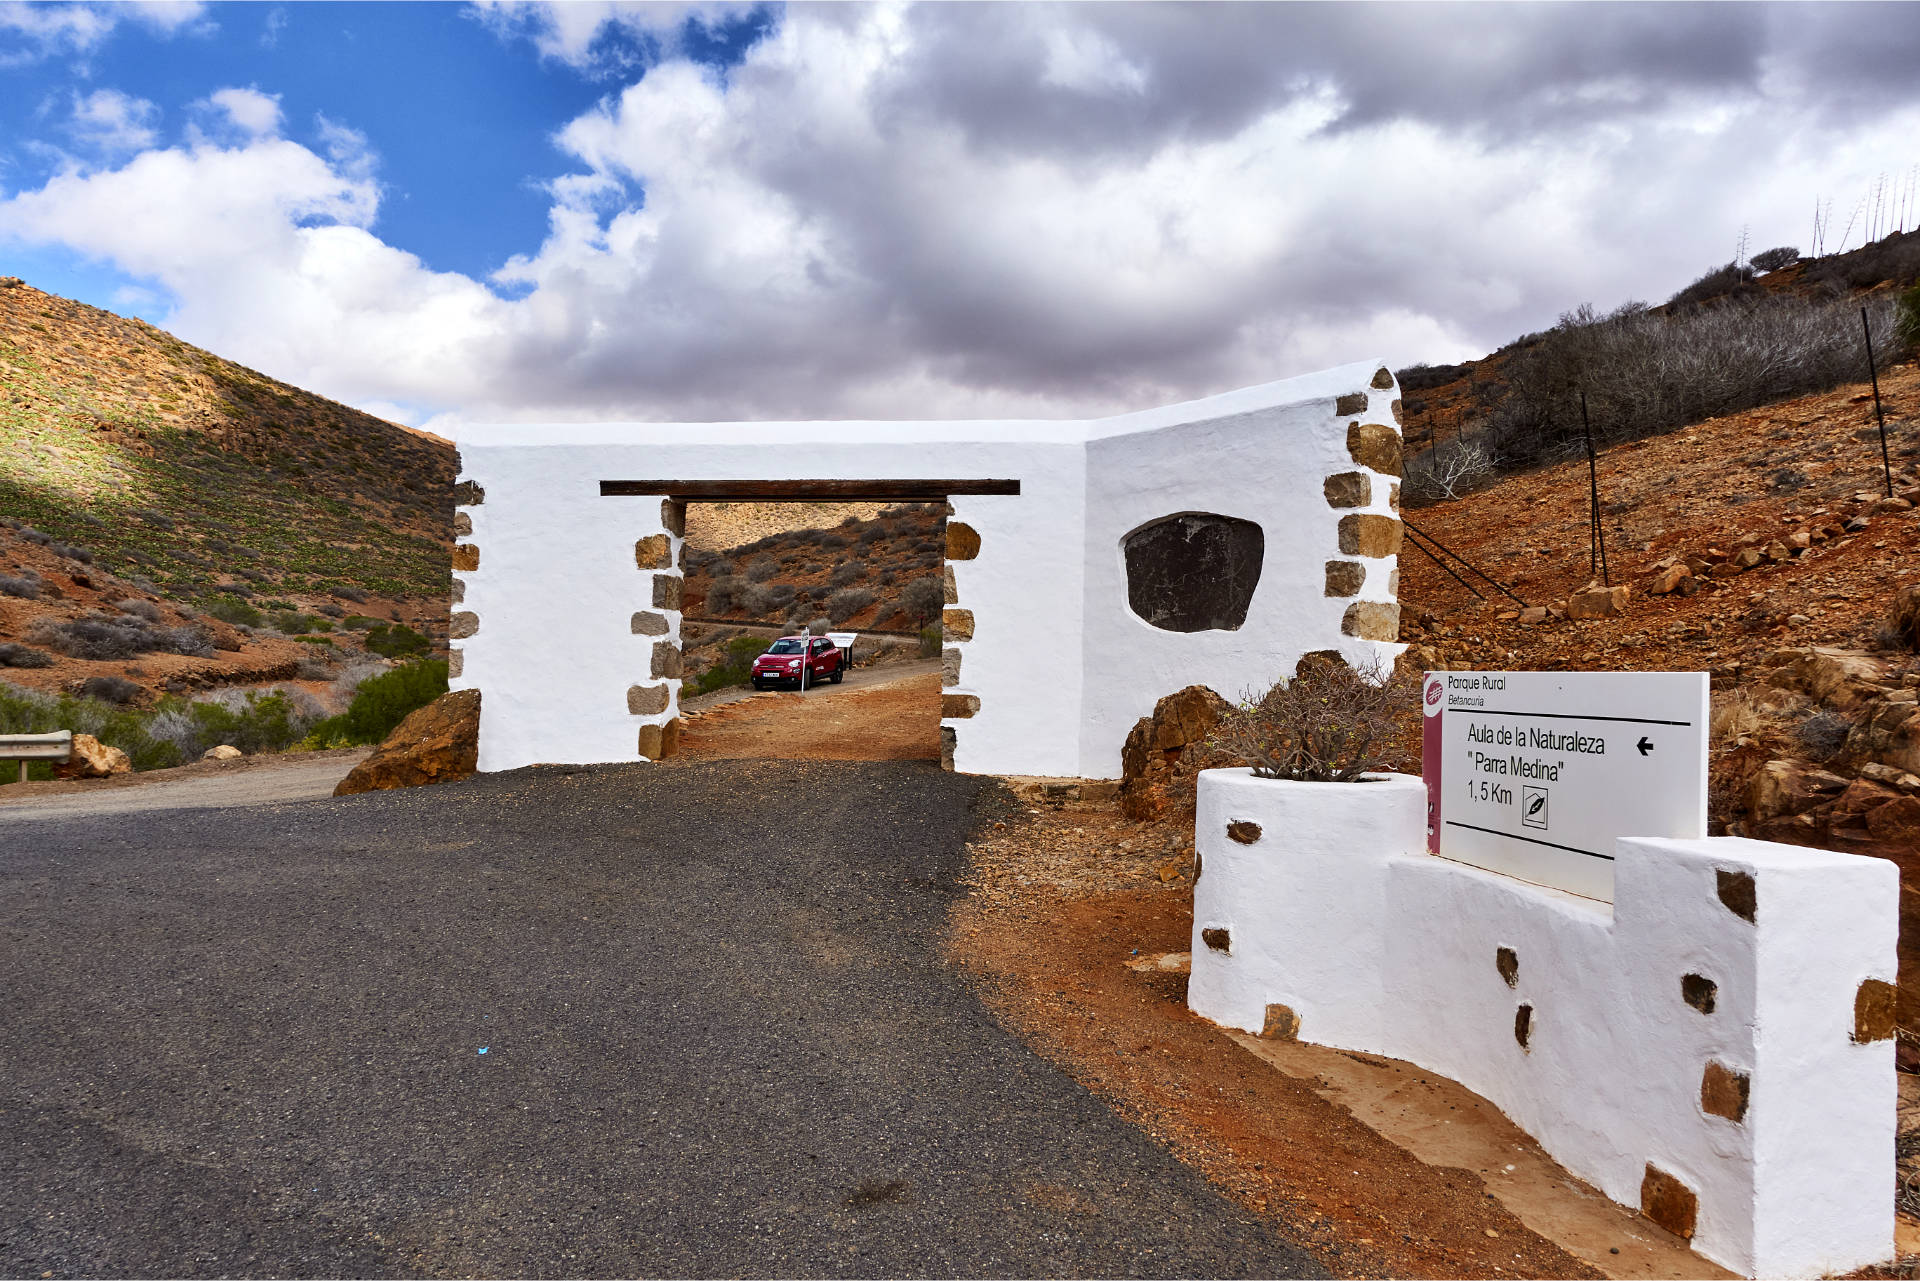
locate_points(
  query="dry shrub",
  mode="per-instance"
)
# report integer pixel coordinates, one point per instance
(1332, 723)
(1736, 714)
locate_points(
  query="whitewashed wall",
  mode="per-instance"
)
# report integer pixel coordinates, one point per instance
(1057, 668)
(1379, 947)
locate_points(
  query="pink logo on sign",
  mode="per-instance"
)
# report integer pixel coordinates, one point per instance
(1433, 692)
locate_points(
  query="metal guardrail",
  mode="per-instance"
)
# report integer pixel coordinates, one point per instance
(36, 747)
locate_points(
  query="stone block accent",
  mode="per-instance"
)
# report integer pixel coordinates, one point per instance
(1507, 961)
(1217, 937)
(1738, 892)
(463, 624)
(669, 590)
(648, 624)
(459, 590)
(1351, 404)
(456, 663)
(462, 524)
(657, 742)
(1723, 1092)
(1669, 1202)
(957, 624)
(673, 517)
(1349, 489)
(1393, 495)
(1395, 410)
(1372, 620)
(468, 494)
(1699, 991)
(946, 581)
(647, 700)
(958, 707)
(655, 551)
(1280, 1024)
(666, 660)
(1374, 445)
(963, 541)
(1523, 1027)
(1382, 379)
(1367, 535)
(948, 741)
(1873, 1010)
(466, 557)
(1393, 583)
(1242, 831)
(949, 666)
(1345, 577)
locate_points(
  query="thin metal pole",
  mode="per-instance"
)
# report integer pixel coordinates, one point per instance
(1442, 564)
(1501, 587)
(1886, 463)
(1599, 549)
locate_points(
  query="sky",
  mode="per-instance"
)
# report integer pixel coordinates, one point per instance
(450, 213)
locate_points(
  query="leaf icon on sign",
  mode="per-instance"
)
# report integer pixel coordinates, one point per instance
(1536, 805)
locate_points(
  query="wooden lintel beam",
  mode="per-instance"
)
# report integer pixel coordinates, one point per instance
(773, 491)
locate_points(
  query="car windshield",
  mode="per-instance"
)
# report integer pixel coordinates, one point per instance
(785, 647)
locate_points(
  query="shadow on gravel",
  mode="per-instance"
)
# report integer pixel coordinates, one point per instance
(616, 1020)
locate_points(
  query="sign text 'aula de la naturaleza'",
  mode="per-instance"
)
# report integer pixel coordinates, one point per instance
(1534, 774)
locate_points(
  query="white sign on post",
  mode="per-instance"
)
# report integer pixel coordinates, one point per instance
(1534, 774)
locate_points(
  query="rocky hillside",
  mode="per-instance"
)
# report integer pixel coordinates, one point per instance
(180, 469)
(1761, 547)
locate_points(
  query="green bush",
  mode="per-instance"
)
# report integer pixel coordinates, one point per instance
(381, 703)
(737, 669)
(932, 637)
(395, 640)
(171, 732)
(231, 610)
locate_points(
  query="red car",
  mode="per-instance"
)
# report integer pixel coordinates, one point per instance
(781, 662)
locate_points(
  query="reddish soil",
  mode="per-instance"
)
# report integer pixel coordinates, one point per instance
(899, 721)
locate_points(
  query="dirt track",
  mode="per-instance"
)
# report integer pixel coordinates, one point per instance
(895, 721)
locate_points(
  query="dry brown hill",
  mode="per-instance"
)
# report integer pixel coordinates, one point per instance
(174, 466)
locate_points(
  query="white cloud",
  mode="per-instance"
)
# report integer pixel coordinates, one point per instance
(31, 32)
(572, 31)
(113, 121)
(248, 109)
(954, 210)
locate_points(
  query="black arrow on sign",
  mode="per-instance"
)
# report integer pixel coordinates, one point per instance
(1645, 745)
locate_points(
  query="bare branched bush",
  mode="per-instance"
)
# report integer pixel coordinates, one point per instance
(100, 637)
(139, 609)
(847, 572)
(14, 654)
(1332, 723)
(923, 598)
(1774, 259)
(1448, 471)
(24, 588)
(1645, 373)
(1823, 734)
(847, 602)
(723, 595)
(761, 568)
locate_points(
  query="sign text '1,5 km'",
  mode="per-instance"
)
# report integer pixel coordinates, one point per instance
(1534, 774)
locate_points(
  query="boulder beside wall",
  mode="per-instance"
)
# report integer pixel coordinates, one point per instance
(439, 743)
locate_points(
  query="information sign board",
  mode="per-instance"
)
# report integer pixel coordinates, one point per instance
(1534, 774)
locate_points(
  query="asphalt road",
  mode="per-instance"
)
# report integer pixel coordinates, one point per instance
(718, 1040)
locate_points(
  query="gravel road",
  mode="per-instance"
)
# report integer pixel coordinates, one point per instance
(685, 1019)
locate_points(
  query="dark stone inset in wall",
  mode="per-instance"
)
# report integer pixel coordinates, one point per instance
(1218, 938)
(1699, 991)
(1507, 961)
(1523, 1027)
(1195, 572)
(1738, 892)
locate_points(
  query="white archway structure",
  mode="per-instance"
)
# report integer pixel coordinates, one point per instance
(1068, 586)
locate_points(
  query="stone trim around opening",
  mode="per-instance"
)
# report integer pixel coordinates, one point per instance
(1365, 535)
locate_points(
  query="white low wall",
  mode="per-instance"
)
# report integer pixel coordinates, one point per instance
(1718, 1041)
(566, 607)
